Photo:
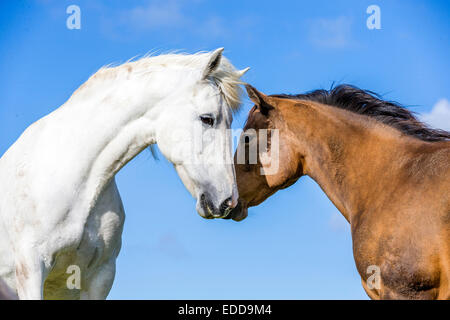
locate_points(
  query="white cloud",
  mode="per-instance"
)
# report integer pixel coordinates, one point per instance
(330, 33)
(439, 116)
(155, 15)
(214, 27)
(172, 19)
(169, 16)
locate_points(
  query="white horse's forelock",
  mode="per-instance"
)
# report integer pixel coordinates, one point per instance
(226, 77)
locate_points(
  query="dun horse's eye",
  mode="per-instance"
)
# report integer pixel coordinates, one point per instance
(207, 120)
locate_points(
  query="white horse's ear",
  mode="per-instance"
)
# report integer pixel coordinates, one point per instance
(213, 63)
(240, 73)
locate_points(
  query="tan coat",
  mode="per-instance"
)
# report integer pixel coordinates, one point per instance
(392, 187)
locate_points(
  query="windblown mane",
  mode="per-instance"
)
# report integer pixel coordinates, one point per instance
(225, 76)
(368, 103)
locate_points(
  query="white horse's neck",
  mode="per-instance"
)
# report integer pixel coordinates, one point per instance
(112, 118)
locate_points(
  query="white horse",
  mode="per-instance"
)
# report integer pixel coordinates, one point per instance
(59, 204)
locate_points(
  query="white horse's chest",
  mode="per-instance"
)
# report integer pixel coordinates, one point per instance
(103, 230)
(99, 246)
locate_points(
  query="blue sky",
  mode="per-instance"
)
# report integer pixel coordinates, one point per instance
(293, 246)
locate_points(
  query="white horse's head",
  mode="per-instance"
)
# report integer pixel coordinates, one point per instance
(194, 132)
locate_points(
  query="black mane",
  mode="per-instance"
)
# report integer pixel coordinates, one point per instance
(371, 104)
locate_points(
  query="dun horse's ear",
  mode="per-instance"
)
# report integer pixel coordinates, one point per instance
(213, 63)
(259, 99)
(254, 95)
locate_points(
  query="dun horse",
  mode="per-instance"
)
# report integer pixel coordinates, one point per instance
(386, 172)
(60, 206)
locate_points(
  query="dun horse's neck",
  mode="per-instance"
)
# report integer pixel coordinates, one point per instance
(352, 158)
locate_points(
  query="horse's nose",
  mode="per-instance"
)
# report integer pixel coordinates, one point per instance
(226, 207)
(239, 212)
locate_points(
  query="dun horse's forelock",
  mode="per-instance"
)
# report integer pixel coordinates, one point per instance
(368, 103)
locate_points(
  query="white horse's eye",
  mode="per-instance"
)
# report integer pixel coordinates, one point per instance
(207, 120)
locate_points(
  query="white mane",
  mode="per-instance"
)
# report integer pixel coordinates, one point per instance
(226, 76)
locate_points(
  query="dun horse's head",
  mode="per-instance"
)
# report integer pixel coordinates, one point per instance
(266, 159)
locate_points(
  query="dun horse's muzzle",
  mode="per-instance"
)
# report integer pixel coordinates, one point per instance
(239, 213)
